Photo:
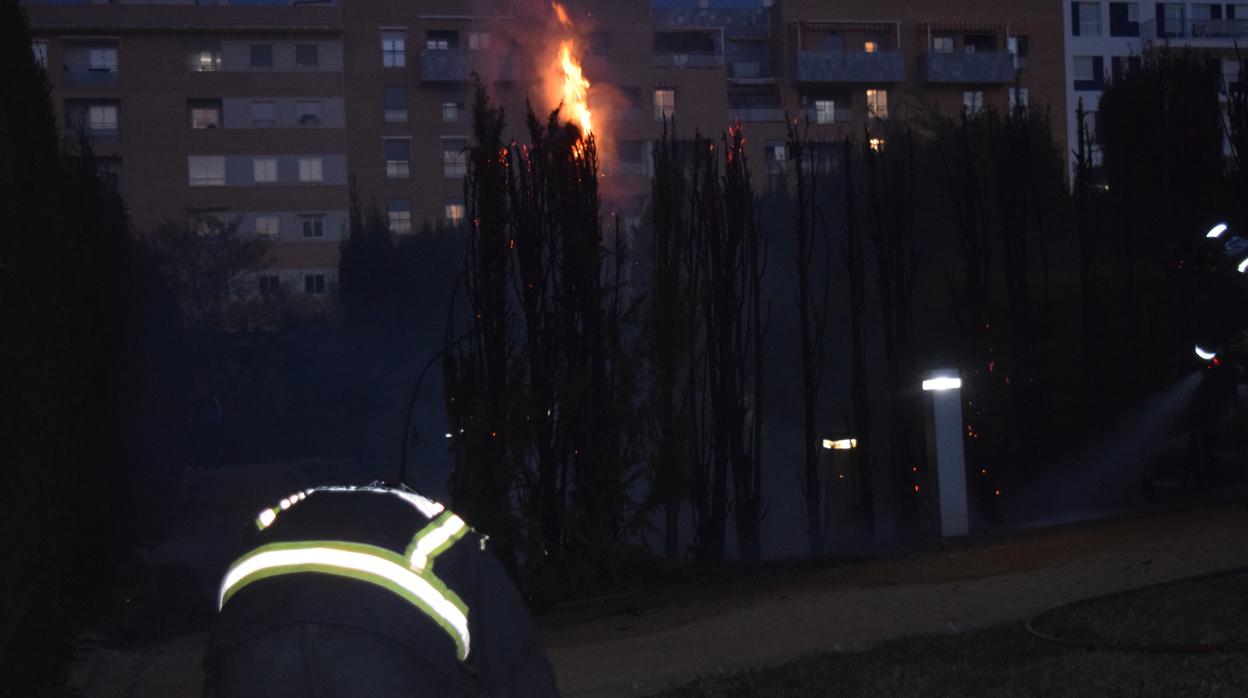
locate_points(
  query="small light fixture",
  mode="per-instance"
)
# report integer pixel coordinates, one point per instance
(1206, 355)
(840, 444)
(1216, 231)
(942, 383)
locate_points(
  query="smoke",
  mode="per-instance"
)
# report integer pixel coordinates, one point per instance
(1107, 476)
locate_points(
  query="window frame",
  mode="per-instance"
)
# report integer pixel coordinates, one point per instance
(825, 111)
(264, 165)
(399, 208)
(205, 181)
(973, 101)
(316, 55)
(397, 168)
(390, 114)
(315, 112)
(877, 98)
(274, 233)
(261, 122)
(664, 108)
(205, 105)
(459, 207)
(305, 170)
(454, 162)
(317, 223)
(393, 48)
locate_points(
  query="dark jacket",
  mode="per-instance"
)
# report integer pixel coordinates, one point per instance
(391, 562)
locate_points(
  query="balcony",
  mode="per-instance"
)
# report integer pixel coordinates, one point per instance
(993, 68)
(756, 115)
(688, 60)
(877, 68)
(458, 65)
(1212, 30)
(84, 74)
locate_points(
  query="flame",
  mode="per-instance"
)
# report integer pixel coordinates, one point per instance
(562, 14)
(575, 90)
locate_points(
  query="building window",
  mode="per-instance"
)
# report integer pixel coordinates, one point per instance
(870, 46)
(776, 155)
(270, 284)
(263, 114)
(441, 40)
(454, 211)
(40, 49)
(262, 55)
(204, 113)
(1088, 72)
(398, 153)
(102, 120)
(314, 284)
(1085, 18)
(394, 104)
(942, 44)
(454, 157)
(1020, 97)
(399, 216)
(206, 170)
(308, 113)
(102, 59)
(307, 56)
(450, 112)
(1172, 20)
(664, 104)
(825, 111)
(310, 170)
(393, 49)
(268, 226)
(313, 227)
(973, 101)
(877, 103)
(264, 170)
(205, 60)
(478, 41)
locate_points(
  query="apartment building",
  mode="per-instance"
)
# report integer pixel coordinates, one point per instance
(261, 111)
(1105, 39)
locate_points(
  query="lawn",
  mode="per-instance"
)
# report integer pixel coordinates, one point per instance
(1009, 661)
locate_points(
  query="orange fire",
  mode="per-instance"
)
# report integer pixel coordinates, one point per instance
(575, 91)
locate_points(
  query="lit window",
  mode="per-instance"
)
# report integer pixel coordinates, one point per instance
(310, 170)
(262, 55)
(942, 44)
(268, 226)
(870, 47)
(399, 216)
(206, 170)
(398, 157)
(40, 49)
(877, 103)
(394, 104)
(206, 60)
(314, 284)
(1020, 97)
(876, 144)
(103, 59)
(664, 104)
(263, 114)
(454, 157)
(450, 112)
(204, 113)
(313, 227)
(307, 56)
(270, 284)
(454, 211)
(393, 49)
(478, 41)
(264, 170)
(973, 101)
(825, 111)
(308, 113)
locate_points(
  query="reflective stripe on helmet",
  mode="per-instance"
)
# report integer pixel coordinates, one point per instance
(367, 563)
(432, 540)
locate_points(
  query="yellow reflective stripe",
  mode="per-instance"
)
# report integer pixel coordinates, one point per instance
(432, 540)
(426, 506)
(367, 563)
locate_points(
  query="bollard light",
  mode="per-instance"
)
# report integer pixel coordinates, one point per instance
(945, 444)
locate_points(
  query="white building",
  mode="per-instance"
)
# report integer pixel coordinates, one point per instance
(1105, 38)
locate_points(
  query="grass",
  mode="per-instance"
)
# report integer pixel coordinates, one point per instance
(1008, 661)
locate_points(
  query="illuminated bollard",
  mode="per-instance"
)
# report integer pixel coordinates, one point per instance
(944, 432)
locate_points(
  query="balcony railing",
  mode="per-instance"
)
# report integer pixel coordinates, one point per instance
(1212, 29)
(756, 114)
(850, 66)
(458, 65)
(688, 60)
(997, 67)
(839, 116)
(84, 74)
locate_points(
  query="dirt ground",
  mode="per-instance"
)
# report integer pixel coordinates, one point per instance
(635, 645)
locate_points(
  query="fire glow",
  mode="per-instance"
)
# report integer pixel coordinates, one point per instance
(575, 91)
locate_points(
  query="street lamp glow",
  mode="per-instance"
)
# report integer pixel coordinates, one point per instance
(1243, 266)
(1216, 231)
(840, 444)
(944, 383)
(1206, 355)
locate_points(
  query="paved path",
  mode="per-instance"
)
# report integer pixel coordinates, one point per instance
(635, 646)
